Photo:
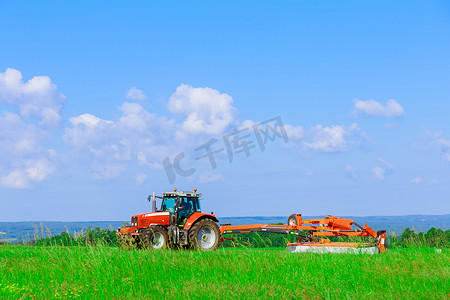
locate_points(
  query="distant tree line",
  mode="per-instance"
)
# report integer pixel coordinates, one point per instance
(434, 237)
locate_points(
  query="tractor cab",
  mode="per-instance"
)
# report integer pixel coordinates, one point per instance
(182, 204)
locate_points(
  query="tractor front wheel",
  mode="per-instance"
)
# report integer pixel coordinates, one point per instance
(204, 235)
(156, 238)
(127, 241)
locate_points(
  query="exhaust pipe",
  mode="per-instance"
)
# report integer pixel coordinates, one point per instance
(153, 202)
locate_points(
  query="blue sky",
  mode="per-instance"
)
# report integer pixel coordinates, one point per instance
(94, 97)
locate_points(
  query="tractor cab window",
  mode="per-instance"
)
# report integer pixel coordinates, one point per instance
(168, 204)
(195, 204)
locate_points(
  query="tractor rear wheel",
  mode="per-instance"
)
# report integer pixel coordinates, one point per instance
(204, 235)
(156, 238)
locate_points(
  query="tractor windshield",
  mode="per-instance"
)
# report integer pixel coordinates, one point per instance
(192, 204)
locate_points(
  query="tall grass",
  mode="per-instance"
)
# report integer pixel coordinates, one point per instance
(101, 272)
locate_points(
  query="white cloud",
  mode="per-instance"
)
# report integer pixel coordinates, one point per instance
(294, 132)
(375, 108)
(444, 146)
(87, 120)
(207, 178)
(137, 136)
(15, 180)
(417, 180)
(328, 139)
(247, 124)
(385, 164)
(378, 172)
(31, 171)
(136, 94)
(144, 138)
(18, 137)
(351, 172)
(206, 110)
(38, 170)
(25, 160)
(435, 141)
(381, 171)
(38, 97)
(332, 138)
(390, 126)
(140, 179)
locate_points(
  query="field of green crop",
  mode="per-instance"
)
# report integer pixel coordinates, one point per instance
(100, 272)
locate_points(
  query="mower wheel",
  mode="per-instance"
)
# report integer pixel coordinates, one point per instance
(204, 235)
(156, 238)
(292, 220)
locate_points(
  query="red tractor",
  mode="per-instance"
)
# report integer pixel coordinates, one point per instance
(179, 223)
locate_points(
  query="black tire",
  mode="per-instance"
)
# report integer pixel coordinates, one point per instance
(156, 238)
(137, 243)
(292, 220)
(122, 241)
(127, 242)
(204, 235)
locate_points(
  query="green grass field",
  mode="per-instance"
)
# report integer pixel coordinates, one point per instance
(100, 272)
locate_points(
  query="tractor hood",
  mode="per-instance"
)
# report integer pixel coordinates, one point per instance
(148, 219)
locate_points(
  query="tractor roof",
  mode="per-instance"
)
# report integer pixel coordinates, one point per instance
(182, 194)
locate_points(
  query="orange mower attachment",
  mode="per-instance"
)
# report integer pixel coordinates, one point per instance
(180, 223)
(310, 230)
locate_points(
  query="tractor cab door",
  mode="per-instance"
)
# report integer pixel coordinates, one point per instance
(186, 207)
